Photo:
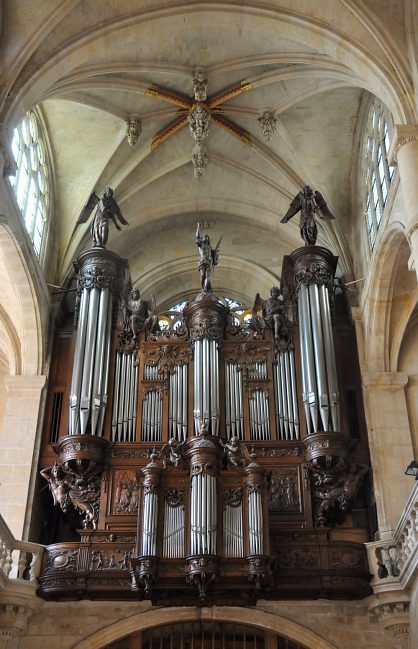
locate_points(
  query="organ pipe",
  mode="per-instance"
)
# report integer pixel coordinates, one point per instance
(99, 273)
(206, 385)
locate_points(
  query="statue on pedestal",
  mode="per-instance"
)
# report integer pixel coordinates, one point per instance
(310, 204)
(208, 258)
(107, 208)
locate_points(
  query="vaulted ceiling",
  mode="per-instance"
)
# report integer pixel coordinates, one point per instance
(88, 66)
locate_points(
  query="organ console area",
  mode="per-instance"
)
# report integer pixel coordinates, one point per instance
(212, 460)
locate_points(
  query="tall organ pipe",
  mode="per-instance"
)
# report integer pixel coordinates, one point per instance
(99, 278)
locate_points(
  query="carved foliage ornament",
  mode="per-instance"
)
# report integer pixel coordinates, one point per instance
(268, 125)
(315, 273)
(69, 488)
(246, 356)
(133, 130)
(167, 358)
(232, 497)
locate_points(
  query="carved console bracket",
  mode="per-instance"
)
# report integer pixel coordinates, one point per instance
(202, 573)
(259, 571)
(143, 571)
(74, 479)
(335, 480)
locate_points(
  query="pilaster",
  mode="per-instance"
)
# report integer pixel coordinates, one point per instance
(390, 445)
(404, 153)
(17, 441)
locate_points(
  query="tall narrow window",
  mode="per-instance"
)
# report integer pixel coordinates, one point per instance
(31, 183)
(378, 174)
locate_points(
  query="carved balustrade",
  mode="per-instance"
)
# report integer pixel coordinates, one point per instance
(20, 565)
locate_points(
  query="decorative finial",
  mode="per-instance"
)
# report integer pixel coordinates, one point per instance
(133, 129)
(199, 160)
(268, 125)
(200, 82)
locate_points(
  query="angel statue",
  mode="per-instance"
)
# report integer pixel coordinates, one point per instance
(236, 452)
(107, 208)
(171, 454)
(208, 258)
(309, 204)
(273, 314)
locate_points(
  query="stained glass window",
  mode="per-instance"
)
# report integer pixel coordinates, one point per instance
(378, 174)
(31, 183)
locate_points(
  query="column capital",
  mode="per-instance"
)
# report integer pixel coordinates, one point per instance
(385, 380)
(403, 134)
(24, 382)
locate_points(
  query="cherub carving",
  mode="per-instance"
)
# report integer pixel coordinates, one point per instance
(236, 452)
(273, 314)
(171, 454)
(310, 204)
(107, 208)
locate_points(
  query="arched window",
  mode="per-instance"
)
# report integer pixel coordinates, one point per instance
(378, 174)
(31, 184)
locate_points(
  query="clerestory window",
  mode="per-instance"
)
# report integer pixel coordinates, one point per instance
(31, 184)
(378, 175)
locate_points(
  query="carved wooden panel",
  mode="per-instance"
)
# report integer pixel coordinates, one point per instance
(125, 497)
(285, 493)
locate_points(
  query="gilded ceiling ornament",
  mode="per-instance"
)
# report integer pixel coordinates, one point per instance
(133, 129)
(200, 82)
(268, 125)
(199, 160)
(196, 111)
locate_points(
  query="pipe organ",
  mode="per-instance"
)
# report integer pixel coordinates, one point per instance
(206, 459)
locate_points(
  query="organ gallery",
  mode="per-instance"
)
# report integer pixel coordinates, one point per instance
(211, 456)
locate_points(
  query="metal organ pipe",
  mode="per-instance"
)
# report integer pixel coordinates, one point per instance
(99, 274)
(308, 368)
(206, 384)
(319, 354)
(330, 356)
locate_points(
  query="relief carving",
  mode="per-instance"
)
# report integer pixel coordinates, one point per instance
(126, 497)
(284, 493)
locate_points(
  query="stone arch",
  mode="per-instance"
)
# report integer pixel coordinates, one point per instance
(389, 257)
(22, 324)
(249, 616)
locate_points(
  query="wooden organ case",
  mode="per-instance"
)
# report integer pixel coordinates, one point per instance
(212, 462)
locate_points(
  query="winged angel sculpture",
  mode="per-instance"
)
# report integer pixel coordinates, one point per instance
(309, 204)
(208, 258)
(107, 208)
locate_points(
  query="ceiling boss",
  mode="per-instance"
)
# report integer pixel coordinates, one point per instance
(197, 112)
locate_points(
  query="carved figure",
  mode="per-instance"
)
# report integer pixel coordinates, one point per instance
(273, 314)
(341, 491)
(107, 208)
(208, 258)
(310, 204)
(68, 488)
(59, 485)
(199, 118)
(138, 316)
(171, 454)
(236, 452)
(200, 82)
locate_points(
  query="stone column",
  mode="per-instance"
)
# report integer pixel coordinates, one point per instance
(17, 443)
(404, 153)
(390, 445)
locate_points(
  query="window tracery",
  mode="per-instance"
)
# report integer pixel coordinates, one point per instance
(31, 183)
(378, 175)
